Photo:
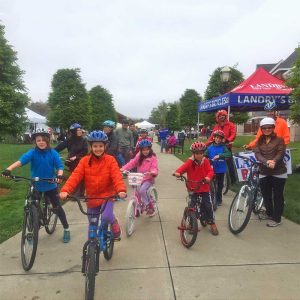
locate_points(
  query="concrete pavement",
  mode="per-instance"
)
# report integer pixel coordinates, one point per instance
(260, 263)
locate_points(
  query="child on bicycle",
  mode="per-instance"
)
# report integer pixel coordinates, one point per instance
(199, 169)
(145, 162)
(143, 136)
(102, 178)
(215, 152)
(44, 161)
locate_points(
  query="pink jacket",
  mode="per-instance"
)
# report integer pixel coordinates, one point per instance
(149, 164)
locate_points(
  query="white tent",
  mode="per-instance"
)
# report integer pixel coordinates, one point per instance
(144, 125)
(34, 117)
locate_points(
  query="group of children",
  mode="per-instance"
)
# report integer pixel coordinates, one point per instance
(103, 178)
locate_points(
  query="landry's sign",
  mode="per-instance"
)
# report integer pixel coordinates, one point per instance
(254, 100)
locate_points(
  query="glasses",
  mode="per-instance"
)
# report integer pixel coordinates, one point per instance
(267, 128)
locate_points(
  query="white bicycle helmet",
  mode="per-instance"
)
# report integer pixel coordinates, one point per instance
(267, 121)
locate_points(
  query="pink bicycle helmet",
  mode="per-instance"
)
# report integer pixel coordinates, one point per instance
(198, 146)
(219, 133)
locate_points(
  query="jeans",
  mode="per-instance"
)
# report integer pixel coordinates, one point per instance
(163, 144)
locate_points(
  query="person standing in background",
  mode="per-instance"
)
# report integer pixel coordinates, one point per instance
(134, 133)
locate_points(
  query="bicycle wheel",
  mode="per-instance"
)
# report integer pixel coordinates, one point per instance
(213, 194)
(240, 210)
(188, 229)
(130, 216)
(90, 271)
(153, 196)
(109, 239)
(29, 239)
(226, 183)
(258, 202)
(50, 217)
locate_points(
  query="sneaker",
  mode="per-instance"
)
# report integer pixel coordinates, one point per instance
(273, 223)
(150, 210)
(116, 229)
(67, 236)
(214, 229)
(137, 213)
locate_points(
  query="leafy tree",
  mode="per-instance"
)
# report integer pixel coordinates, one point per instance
(68, 100)
(189, 108)
(13, 97)
(216, 88)
(294, 82)
(159, 114)
(102, 106)
(40, 107)
(172, 117)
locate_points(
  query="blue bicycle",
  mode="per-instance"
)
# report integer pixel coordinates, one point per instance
(100, 239)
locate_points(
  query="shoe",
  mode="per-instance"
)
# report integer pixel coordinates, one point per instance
(116, 229)
(150, 210)
(137, 213)
(67, 236)
(214, 229)
(264, 216)
(273, 223)
(219, 204)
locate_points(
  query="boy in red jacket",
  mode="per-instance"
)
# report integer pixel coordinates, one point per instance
(198, 168)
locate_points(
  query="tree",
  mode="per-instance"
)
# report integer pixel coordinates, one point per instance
(216, 88)
(294, 82)
(159, 114)
(172, 117)
(40, 107)
(13, 96)
(68, 100)
(189, 108)
(102, 106)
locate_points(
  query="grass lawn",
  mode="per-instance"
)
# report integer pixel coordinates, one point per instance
(11, 203)
(291, 193)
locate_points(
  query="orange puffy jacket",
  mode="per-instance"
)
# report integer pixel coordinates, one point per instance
(281, 129)
(102, 178)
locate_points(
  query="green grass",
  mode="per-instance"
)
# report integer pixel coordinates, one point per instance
(291, 193)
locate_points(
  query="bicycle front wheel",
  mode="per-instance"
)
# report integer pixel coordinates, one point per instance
(50, 218)
(130, 216)
(109, 240)
(240, 210)
(188, 228)
(29, 239)
(90, 271)
(226, 183)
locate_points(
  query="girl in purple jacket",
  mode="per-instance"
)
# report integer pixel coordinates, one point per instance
(146, 162)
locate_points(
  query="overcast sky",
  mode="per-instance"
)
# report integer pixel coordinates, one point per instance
(144, 52)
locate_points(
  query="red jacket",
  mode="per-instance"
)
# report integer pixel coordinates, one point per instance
(229, 132)
(102, 178)
(197, 172)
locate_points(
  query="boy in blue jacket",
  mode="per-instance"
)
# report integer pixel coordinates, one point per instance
(217, 152)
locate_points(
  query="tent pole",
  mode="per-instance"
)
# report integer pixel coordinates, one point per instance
(198, 128)
(228, 111)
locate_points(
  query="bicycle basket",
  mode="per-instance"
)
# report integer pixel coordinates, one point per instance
(135, 178)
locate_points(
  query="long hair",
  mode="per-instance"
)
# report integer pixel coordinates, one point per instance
(45, 139)
(142, 156)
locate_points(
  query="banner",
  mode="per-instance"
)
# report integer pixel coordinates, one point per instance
(242, 166)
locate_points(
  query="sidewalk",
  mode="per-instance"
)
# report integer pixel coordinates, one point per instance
(260, 263)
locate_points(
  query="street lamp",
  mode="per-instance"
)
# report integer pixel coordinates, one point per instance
(167, 116)
(225, 74)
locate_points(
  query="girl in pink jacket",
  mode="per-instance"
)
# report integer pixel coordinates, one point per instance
(145, 162)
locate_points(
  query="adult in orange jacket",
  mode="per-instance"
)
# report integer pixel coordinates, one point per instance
(281, 127)
(102, 178)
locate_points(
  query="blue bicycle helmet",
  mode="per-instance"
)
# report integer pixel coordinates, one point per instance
(75, 126)
(144, 144)
(97, 136)
(109, 123)
(270, 105)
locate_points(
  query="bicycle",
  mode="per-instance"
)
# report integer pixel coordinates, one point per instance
(100, 239)
(136, 206)
(38, 211)
(248, 199)
(189, 224)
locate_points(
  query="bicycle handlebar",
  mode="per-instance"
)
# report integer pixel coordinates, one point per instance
(33, 179)
(253, 163)
(186, 181)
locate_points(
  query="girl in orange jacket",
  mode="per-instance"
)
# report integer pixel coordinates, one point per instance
(102, 178)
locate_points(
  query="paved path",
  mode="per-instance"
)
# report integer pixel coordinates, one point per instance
(260, 263)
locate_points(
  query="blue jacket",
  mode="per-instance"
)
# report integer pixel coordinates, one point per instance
(44, 164)
(163, 134)
(222, 150)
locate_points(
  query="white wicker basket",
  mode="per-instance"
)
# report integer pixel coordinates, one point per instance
(135, 178)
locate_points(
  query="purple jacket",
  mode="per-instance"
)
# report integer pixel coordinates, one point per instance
(149, 164)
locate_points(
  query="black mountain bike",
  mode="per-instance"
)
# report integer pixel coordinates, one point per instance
(248, 199)
(38, 212)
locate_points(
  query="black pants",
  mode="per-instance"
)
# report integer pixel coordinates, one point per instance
(206, 206)
(272, 192)
(219, 186)
(53, 197)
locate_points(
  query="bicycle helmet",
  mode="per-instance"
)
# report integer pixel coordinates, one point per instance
(219, 133)
(97, 136)
(220, 113)
(75, 126)
(109, 123)
(144, 144)
(40, 132)
(270, 105)
(198, 146)
(267, 121)
(144, 131)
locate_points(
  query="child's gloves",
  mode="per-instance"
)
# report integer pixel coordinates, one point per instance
(6, 173)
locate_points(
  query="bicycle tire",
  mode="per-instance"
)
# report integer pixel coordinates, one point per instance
(258, 202)
(29, 238)
(109, 240)
(240, 210)
(90, 272)
(188, 229)
(130, 217)
(226, 183)
(50, 218)
(213, 194)
(153, 195)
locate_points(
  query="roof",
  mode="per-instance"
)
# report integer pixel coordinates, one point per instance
(267, 67)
